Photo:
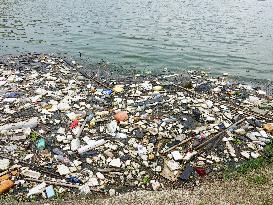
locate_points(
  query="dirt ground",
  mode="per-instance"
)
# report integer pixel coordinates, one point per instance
(254, 188)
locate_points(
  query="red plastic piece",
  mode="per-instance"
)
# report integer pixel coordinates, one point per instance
(74, 124)
(201, 171)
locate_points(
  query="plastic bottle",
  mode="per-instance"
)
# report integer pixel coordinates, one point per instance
(5, 186)
(91, 146)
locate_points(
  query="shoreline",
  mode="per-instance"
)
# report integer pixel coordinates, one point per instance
(117, 68)
(145, 131)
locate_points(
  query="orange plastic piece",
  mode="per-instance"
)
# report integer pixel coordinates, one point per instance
(5, 186)
(121, 116)
(4, 177)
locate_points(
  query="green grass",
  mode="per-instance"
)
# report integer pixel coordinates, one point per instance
(259, 179)
(34, 136)
(265, 203)
(250, 165)
(146, 180)
(237, 141)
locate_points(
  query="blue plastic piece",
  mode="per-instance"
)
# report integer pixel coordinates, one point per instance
(12, 95)
(107, 92)
(73, 180)
(50, 191)
(41, 144)
(221, 126)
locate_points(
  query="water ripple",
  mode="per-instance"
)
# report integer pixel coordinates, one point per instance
(226, 36)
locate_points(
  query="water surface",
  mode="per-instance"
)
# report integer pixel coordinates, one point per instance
(221, 35)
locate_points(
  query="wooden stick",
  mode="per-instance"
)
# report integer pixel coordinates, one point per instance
(60, 184)
(173, 147)
(33, 166)
(93, 79)
(53, 183)
(218, 135)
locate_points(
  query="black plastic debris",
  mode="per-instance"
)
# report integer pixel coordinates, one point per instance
(186, 173)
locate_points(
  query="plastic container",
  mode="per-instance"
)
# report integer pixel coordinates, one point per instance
(5, 186)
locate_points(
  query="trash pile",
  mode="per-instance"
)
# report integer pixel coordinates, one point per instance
(64, 130)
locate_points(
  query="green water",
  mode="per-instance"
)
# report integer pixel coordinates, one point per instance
(217, 35)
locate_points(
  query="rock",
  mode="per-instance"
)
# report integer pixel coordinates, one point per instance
(254, 155)
(155, 185)
(240, 131)
(60, 138)
(112, 192)
(100, 176)
(111, 128)
(121, 135)
(153, 131)
(63, 170)
(173, 165)
(189, 155)
(157, 88)
(246, 154)
(118, 88)
(75, 144)
(263, 134)
(209, 103)
(93, 181)
(4, 164)
(210, 119)
(230, 149)
(176, 155)
(63, 106)
(115, 163)
(85, 189)
(146, 85)
(121, 116)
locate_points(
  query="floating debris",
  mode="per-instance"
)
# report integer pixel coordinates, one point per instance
(61, 127)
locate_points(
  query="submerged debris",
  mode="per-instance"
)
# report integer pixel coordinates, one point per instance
(63, 129)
